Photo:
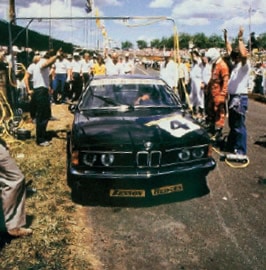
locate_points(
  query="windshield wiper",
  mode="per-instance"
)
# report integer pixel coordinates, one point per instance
(121, 107)
(107, 100)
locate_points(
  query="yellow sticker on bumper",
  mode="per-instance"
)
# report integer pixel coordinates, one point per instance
(139, 193)
(167, 190)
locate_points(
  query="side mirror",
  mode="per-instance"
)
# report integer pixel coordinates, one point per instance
(72, 108)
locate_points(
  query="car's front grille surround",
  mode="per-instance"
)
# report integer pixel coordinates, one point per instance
(144, 158)
(148, 159)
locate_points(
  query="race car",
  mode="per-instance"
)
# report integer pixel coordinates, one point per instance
(131, 143)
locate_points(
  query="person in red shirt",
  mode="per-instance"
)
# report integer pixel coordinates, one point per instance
(217, 92)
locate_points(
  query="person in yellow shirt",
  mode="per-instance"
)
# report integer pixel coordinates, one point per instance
(99, 67)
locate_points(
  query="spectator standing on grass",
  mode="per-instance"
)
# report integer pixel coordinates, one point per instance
(28, 80)
(76, 76)
(68, 87)
(40, 73)
(216, 94)
(12, 195)
(60, 76)
(99, 67)
(238, 95)
(13, 58)
(86, 68)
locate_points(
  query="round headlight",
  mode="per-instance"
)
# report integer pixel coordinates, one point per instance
(198, 153)
(107, 159)
(89, 159)
(184, 155)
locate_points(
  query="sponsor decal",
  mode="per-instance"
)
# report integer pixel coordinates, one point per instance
(167, 190)
(136, 193)
(176, 125)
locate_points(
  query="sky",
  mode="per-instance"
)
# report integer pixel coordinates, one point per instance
(188, 16)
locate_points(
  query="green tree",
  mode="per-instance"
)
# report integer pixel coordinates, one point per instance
(166, 44)
(262, 40)
(170, 42)
(200, 40)
(215, 41)
(127, 45)
(184, 40)
(142, 44)
(156, 43)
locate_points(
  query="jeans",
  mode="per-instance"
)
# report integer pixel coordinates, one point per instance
(237, 138)
(59, 87)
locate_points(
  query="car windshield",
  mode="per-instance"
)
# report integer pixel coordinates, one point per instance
(116, 93)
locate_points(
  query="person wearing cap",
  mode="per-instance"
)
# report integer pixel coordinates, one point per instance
(238, 95)
(98, 67)
(12, 57)
(60, 70)
(128, 65)
(216, 94)
(86, 68)
(68, 85)
(40, 74)
(113, 66)
(168, 71)
(196, 91)
(76, 76)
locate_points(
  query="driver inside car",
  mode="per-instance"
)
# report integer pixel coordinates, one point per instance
(146, 97)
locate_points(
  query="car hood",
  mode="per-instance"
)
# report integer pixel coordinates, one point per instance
(125, 132)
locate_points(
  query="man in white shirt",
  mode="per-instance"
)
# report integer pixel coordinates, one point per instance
(238, 95)
(196, 80)
(113, 66)
(41, 82)
(76, 76)
(128, 65)
(168, 71)
(86, 68)
(60, 68)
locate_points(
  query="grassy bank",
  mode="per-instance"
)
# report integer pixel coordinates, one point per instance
(61, 239)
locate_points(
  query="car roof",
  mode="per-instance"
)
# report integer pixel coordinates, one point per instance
(126, 76)
(126, 79)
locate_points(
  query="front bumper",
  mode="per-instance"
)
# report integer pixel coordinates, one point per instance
(140, 188)
(88, 175)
